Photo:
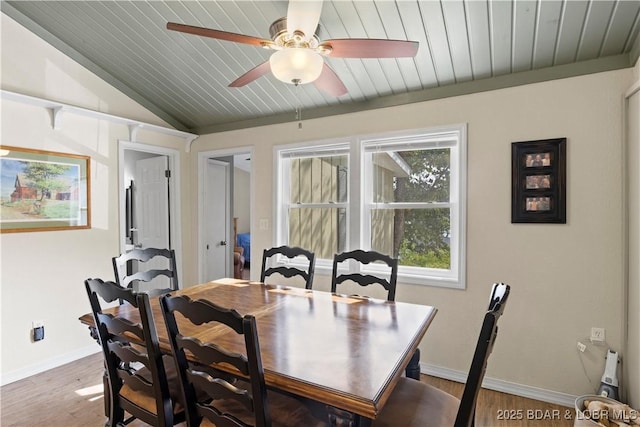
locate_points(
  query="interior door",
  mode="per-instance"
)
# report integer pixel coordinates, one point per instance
(217, 244)
(152, 203)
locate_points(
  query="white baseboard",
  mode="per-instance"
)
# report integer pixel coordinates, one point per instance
(522, 390)
(37, 368)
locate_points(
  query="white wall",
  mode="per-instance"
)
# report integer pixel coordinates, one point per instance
(42, 273)
(565, 278)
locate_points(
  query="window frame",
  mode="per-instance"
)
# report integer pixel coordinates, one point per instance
(452, 137)
(283, 192)
(358, 208)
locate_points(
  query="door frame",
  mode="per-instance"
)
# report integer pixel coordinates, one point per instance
(203, 157)
(175, 220)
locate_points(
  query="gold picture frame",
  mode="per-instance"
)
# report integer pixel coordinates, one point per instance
(43, 190)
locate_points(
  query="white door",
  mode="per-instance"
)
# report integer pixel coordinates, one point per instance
(217, 242)
(152, 203)
(151, 194)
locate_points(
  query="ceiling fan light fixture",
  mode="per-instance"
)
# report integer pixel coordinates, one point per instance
(296, 65)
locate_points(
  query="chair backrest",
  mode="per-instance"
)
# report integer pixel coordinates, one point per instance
(153, 256)
(366, 257)
(115, 335)
(488, 333)
(197, 373)
(286, 270)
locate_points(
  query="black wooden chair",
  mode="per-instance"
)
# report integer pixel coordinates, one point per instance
(366, 257)
(244, 402)
(417, 404)
(285, 270)
(149, 392)
(163, 262)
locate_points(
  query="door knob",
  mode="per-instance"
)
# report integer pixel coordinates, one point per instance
(223, 243)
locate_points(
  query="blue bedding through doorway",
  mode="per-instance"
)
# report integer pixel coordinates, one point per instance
(244, 240)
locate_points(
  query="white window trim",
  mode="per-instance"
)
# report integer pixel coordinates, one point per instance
(357, 223)
(454, 278)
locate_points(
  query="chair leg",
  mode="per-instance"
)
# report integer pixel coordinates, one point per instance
(413, 368)
(106, 394)
(116, 413)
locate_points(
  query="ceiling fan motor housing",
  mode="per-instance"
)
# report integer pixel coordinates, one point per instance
(280, 36)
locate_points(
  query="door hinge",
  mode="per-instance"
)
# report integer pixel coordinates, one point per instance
(167, 173)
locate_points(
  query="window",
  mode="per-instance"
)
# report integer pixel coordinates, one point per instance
(314, 187)
(401, 194)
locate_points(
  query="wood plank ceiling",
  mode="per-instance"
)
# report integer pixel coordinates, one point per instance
(465, 46)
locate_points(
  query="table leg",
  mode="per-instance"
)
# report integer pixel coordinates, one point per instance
(413, 368)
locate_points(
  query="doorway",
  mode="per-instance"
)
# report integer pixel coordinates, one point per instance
(149, 201)
(224, 195)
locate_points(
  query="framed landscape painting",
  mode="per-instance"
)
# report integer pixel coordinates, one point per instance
(43, 190)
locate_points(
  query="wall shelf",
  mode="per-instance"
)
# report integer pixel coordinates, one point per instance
(59, 109)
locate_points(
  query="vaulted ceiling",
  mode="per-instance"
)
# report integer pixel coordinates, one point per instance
(465, 46)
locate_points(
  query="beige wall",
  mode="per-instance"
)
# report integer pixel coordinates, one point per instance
(565, 278)
(42, 273)
(631, 363)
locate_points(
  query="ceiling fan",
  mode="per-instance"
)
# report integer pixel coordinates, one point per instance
(298, 56)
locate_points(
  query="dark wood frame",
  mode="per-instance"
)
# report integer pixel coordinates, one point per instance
(544, 163)
(38, 223)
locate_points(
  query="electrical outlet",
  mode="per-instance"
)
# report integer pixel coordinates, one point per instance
(597, 335)
(264, 224)
(37, 330)
(581, 347)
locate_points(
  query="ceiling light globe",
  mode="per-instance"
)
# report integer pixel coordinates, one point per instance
(296, 65)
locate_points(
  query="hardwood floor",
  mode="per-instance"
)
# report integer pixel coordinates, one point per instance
(71, 396)
(496, 409)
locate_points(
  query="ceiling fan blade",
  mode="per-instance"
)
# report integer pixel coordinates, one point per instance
(303, 16)
(217, 34)
(329, 82)
(371, 48)
(251, 75)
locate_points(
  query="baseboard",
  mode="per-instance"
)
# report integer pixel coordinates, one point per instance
(522, 390)
(37, 368)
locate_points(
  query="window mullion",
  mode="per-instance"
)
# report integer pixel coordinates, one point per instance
(356, 190)
(425, 205)
(318, 205)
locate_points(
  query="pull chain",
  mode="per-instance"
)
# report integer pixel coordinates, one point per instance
(296, 82)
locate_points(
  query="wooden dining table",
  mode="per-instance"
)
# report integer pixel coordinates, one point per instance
(343, 352)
